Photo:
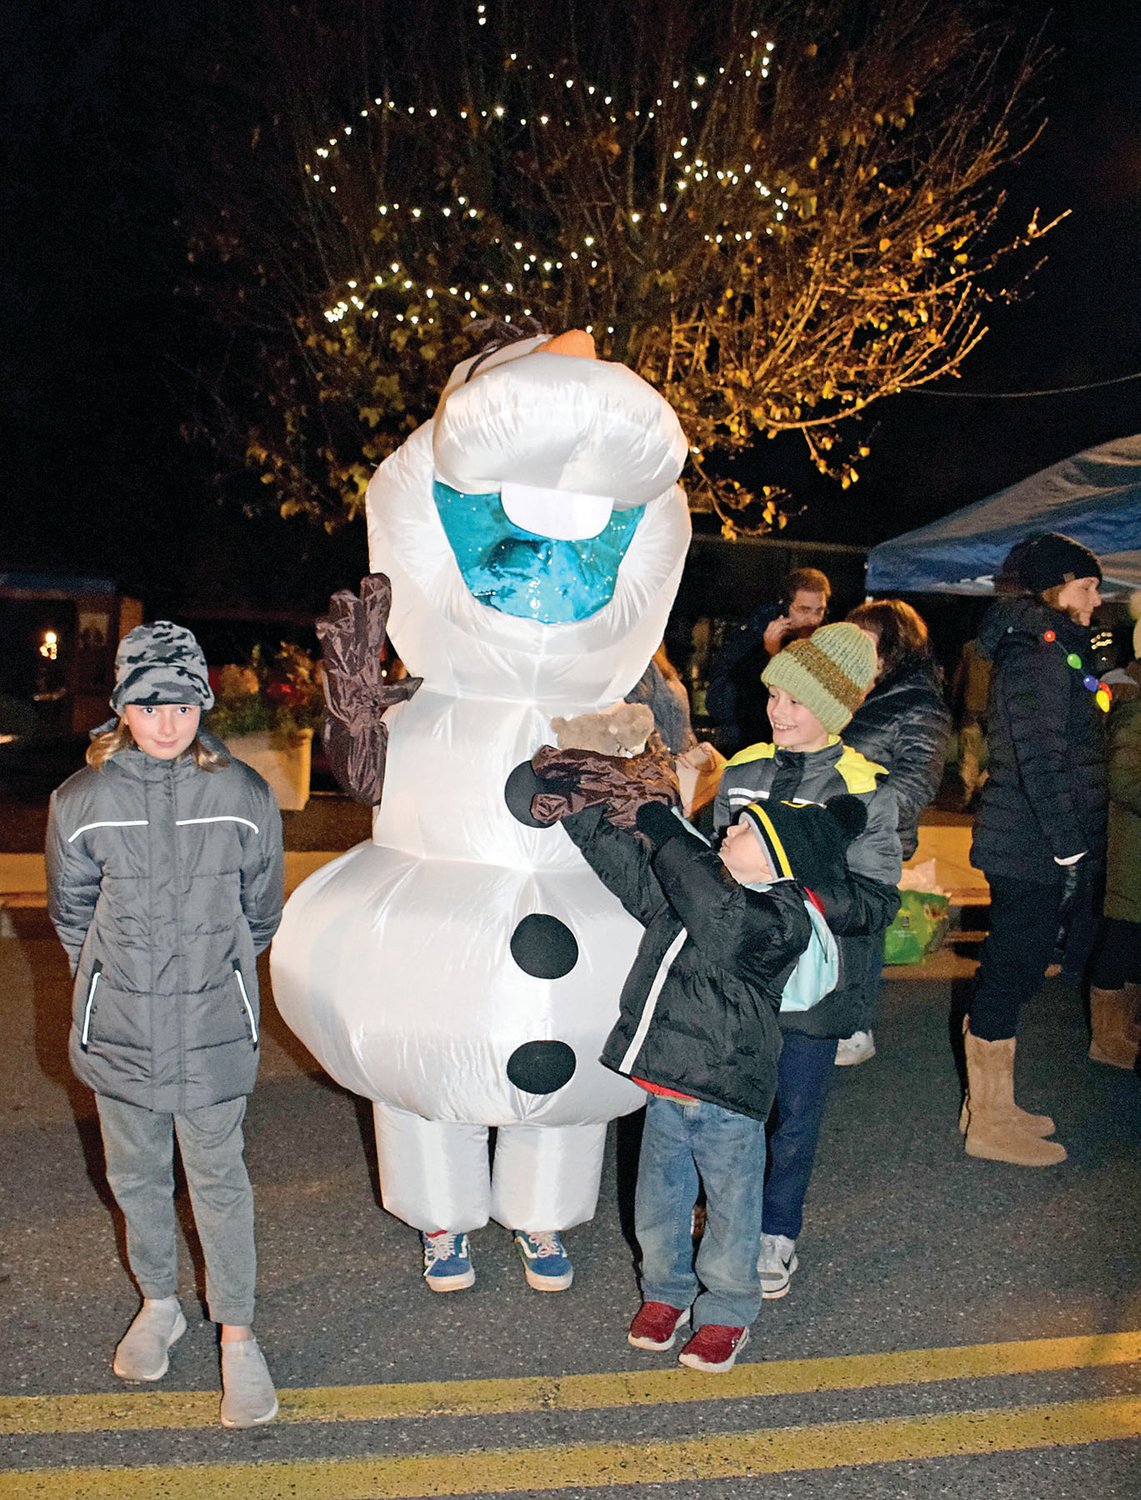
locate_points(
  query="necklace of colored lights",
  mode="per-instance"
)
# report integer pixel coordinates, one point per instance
(1102, 695)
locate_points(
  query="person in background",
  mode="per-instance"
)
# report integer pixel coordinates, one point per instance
(903, 724)
(165, 880)
(1115, 979)
(970, 688)
(661, 689)
(735, 701)
(697, 762)
(1040, 829)
(815, 685)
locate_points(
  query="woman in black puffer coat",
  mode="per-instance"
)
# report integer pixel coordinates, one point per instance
(1040, 831)
(903, 725)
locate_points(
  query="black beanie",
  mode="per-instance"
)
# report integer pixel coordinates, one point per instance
(805, 839)
(1049, 560)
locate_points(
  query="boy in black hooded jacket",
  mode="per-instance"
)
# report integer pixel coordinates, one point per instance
(698, 1030)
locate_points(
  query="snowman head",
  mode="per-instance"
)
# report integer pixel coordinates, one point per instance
(544, 460)
(533, 529)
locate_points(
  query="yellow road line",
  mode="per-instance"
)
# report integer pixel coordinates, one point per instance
(123, 1410)
(718, 1456)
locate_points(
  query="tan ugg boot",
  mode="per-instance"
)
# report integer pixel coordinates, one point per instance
(1040, 1125)
(993, 1132)
(1112, 1023)
(1133, 1012)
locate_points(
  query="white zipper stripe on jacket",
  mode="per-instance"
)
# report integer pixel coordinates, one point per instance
(223, 818)
(95, 978)
(111, 823)
(246, 1003)
(652, 1001)
(741, 795)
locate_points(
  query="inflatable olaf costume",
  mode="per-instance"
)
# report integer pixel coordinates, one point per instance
(463, 969)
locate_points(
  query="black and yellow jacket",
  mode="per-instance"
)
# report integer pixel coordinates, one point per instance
(863, 903)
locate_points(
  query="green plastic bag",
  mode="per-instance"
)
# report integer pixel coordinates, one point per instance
(918, 928)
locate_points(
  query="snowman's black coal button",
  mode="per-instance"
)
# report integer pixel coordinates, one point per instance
(544, 947)
(541, 1067)
(520, 787)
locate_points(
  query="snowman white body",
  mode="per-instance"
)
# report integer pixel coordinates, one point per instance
(402, 965)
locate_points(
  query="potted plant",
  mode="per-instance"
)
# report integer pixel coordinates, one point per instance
(266, 710)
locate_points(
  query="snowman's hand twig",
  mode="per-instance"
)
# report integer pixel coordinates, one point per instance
(357, 691)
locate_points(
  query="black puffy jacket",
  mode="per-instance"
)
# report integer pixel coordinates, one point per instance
(904, 724)
(698, 1011)
(1045, 796)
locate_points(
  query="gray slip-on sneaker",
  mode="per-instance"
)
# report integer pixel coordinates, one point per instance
(142, 1351)
(248, 1396)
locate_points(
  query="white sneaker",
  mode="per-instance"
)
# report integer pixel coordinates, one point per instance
(248, 1396)
(776, 1263)
(142, 1351)
(854, 1049)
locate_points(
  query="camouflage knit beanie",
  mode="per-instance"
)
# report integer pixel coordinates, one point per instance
(160, 663)
(829, 671)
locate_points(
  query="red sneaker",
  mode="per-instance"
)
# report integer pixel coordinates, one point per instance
(655, 1324)
(714, 1347)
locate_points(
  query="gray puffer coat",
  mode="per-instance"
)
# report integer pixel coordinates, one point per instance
(164, 883)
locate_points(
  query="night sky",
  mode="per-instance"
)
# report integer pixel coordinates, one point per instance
(98, 480)
(1080, 320)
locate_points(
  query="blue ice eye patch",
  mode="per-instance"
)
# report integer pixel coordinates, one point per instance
(534, 577)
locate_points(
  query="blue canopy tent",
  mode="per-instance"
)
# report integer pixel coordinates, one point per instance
(1095, 497)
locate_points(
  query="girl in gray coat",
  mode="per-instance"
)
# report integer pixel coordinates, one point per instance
(164, 860)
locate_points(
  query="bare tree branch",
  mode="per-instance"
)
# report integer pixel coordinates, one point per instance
(778, 213)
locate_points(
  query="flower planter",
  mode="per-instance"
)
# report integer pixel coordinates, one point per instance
(283, 759)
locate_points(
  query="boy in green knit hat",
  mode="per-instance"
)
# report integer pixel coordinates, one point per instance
(815, 685)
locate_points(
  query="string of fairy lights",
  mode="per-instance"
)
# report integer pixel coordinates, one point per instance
(532, 260)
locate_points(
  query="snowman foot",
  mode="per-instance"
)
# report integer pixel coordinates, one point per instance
(447, 1261)
(546, 1264)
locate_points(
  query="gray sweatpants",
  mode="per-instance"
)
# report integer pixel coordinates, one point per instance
(138, 1145)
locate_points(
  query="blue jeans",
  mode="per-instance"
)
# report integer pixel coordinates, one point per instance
(685, 1146)
(804, 1074)
(870, 967)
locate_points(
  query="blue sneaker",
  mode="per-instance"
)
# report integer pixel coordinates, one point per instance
(447, 1261)
(546, 1264)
